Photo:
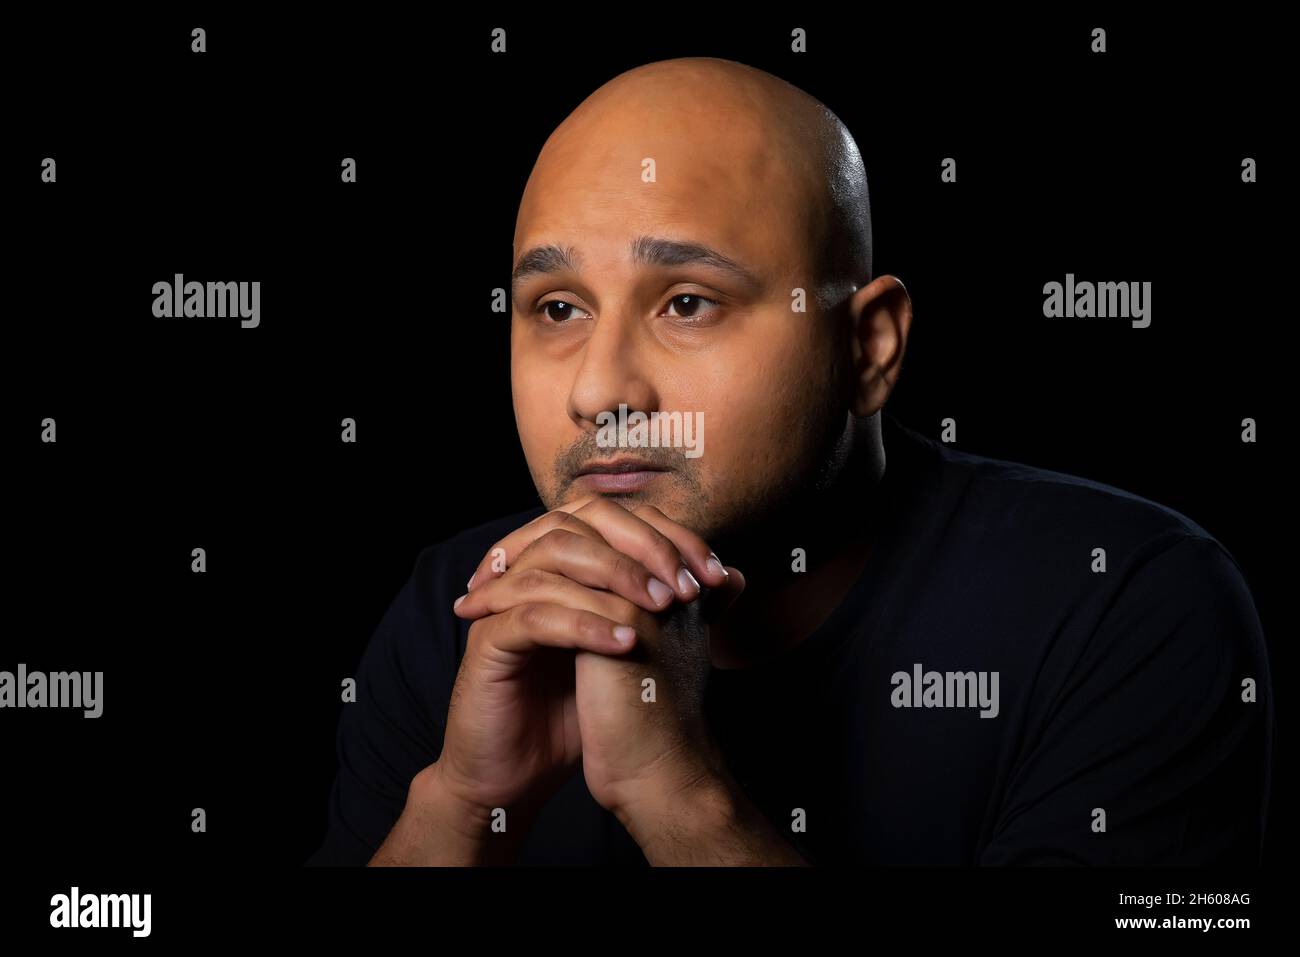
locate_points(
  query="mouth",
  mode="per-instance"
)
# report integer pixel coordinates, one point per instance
(619, 475)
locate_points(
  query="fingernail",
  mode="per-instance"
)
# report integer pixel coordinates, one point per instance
(686, 581)
(659, 592)
(456, 603)
(715, 566)
(624, 635)
(470, 584)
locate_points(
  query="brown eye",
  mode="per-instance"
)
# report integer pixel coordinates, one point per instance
(557, 310)
(689, 306)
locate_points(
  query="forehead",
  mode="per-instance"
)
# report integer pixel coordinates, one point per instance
(717, 179)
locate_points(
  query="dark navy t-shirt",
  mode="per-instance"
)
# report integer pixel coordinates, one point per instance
(1125, 732)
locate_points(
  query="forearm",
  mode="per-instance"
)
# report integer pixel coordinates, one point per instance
(436, 829)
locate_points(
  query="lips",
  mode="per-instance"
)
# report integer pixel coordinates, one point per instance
(620, 476)
(620, 466)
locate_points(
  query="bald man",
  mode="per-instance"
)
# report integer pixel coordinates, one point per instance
(730, 634)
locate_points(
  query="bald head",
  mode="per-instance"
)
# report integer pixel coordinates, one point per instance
(778, 154)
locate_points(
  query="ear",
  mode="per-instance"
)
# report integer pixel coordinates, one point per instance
(881, 316)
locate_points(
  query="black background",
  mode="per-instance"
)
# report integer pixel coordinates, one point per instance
(221, 690)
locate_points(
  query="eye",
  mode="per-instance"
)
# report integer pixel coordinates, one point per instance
(688, 306)
(558, 311)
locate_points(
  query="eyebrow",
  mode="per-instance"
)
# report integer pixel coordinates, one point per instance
(646, 251)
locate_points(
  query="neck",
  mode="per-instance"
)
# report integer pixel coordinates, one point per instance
(780, 606)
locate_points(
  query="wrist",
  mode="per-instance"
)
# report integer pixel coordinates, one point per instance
(705, 818)
(440, 827)
(668, 815)
(433, 790)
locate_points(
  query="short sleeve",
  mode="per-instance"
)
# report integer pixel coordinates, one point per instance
(1154, 748)
(395, 727)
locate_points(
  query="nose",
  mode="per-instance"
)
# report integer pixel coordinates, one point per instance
(614, 370)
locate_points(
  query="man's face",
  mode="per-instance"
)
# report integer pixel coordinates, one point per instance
(730, 354)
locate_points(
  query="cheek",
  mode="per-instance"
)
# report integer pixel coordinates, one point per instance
(756, 407)
(540, 405)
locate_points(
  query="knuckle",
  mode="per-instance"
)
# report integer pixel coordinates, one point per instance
(592, 625)
(583, 505)
(569, 521)
(551, 518)
(529, 579)
(555, 538)
(627, 568)
(666, 552)
(540, 545)
(531, 616)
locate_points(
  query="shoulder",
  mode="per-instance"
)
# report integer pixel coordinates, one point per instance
(1082, 560)
(1042, 499)
(1024, 519)
(1135, 550)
